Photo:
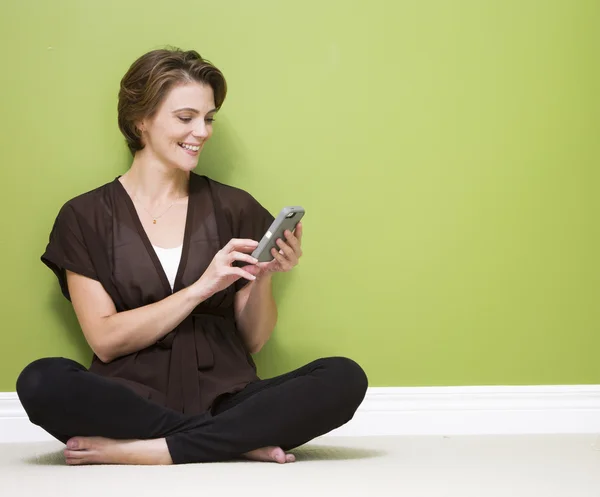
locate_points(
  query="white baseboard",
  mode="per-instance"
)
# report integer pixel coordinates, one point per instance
(477, 410)
(485, 410)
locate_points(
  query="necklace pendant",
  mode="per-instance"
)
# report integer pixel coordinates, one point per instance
(154, 221)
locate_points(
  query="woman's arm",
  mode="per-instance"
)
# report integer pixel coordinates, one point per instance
(112, 334)
(256, 312)
(255, 308)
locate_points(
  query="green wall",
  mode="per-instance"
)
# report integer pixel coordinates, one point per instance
(447, 154)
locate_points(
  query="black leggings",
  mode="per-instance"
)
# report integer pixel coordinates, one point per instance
(66, 400)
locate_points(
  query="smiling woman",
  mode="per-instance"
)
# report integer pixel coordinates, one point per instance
(153, 76)
(153, 263)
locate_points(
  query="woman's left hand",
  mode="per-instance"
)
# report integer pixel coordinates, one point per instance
(288, 255)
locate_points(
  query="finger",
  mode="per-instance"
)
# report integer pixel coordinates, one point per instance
(263, 266)
(293, 242)
(281, 259)
(243, 274)
(254, 270)
(240, 244)
(239, 256)
(298, 232)
(287, 250)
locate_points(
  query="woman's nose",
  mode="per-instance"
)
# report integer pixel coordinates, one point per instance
(201, 130)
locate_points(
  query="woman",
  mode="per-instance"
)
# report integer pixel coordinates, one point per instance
(158, 268)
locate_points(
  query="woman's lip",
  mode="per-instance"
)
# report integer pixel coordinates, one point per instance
(190, 152)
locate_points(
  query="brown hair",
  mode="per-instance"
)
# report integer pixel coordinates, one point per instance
(151, 77)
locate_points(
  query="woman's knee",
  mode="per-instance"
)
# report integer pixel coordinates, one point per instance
(38, 381)
(350, 379)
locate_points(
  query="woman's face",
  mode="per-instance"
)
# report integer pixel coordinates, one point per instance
(183, 123)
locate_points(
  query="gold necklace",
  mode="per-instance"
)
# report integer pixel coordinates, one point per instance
(154, 218)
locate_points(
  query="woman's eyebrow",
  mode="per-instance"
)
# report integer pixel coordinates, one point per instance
(191, 109)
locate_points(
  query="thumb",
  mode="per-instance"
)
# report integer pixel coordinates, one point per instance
(253, 269)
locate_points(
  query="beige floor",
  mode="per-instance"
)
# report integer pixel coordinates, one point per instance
(541, 466)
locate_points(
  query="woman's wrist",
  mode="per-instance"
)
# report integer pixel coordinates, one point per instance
(197, 292)
(265, 275)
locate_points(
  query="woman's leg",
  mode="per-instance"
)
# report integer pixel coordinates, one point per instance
(66, 400)
(285, 411)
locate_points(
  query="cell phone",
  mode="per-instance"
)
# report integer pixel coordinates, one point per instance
(287, 219)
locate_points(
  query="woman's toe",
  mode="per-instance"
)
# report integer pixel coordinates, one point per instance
(78, 443)
(278, 455)
(74, 454)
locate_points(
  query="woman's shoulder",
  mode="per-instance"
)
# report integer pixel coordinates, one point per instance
(93, 208)
(91, 201)
(232, 197)
(247, 217)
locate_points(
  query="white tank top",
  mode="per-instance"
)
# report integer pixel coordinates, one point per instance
(169, 258)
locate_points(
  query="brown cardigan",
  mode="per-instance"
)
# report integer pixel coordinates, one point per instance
(99, 235)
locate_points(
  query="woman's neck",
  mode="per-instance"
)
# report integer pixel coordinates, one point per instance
(153, 183)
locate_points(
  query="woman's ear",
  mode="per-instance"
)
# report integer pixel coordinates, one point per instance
(140, 126)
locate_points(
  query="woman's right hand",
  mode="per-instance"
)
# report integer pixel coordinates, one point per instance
(220, 273)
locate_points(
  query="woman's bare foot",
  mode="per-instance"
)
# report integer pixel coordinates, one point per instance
(270, 454)
(97, 450)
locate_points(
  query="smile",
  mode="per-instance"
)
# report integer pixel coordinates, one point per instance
(192, 148)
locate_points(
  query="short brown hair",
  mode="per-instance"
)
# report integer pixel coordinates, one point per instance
(151, 77)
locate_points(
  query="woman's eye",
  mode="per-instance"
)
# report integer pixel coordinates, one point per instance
(188, 119)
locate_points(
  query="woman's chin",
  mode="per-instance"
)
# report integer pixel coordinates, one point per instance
(186, 166)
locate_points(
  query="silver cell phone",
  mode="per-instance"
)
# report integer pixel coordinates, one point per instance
(287, 219)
